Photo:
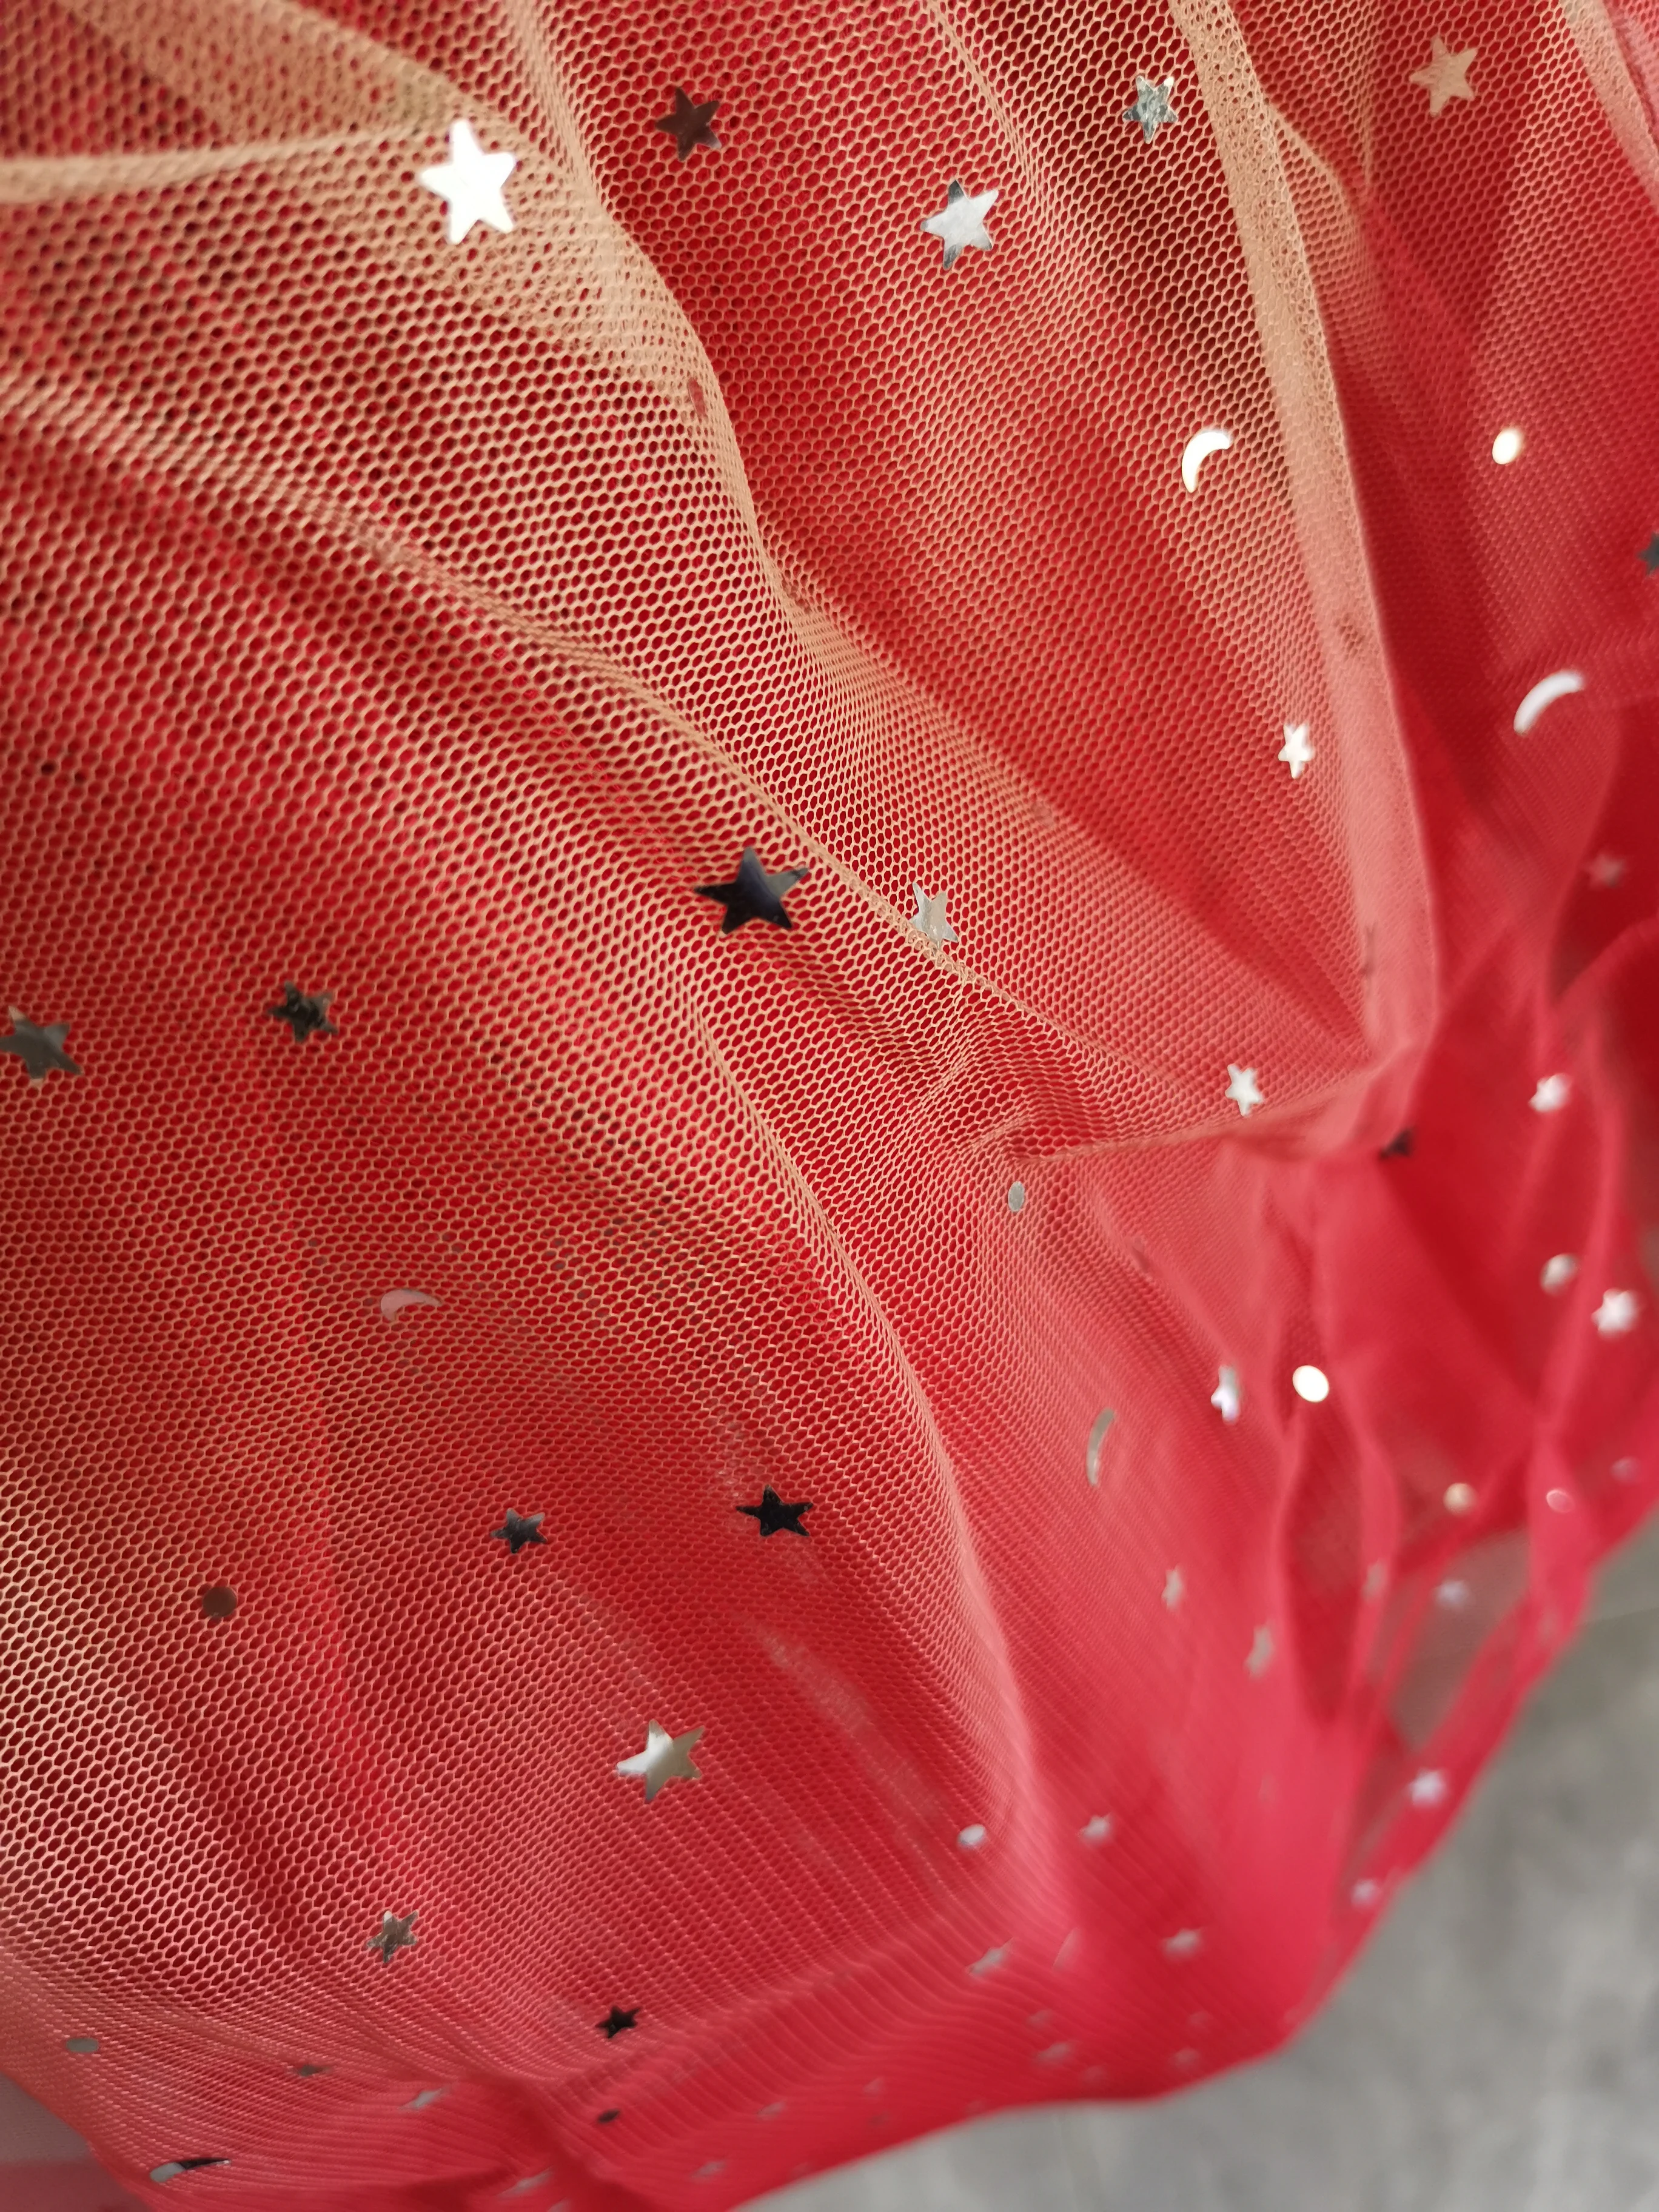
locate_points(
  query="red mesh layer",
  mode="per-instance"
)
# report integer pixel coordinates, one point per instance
(421, 625)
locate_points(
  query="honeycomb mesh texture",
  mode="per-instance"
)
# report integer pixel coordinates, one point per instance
(415, 628)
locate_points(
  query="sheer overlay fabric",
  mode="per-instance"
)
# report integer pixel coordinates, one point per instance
(666, 1518)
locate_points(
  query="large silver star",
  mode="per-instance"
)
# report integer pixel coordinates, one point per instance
(397, 1933)
(961, 221)
(470, 184)
(665, 1758)
(40, 1050)
(930, 917)
(1152, 105)
(1445, 76)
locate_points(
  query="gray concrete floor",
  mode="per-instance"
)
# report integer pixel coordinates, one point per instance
(1496, 2050)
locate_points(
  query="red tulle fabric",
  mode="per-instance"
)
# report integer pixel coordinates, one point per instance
(421, 625)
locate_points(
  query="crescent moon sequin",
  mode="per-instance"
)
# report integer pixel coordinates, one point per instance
(1097, 1441)
(1200, 447)
(1544, 694)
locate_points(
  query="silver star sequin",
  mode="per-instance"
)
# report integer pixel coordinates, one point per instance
(1244, 1089)
(1445, 76)
(1296, 751)
(961, 221)
(40, 1050)
(397, 1933)
(665, 1758)
(470, 184)
(930, 917)
(1154, 105)
(305, 1012)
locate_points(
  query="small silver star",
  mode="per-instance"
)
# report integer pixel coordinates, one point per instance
(1552, 1093)
(1175, 1582)
(1616, 1315)
(1296, 752)
(1427, 1788)
(1226, 1397)
(1445, 76)
(1242, 1088)
(1154, 105)
(1454, 1594)
(1606, 870)
(665, 1758)
(754, 893)
(305, 1012)
(1559, 1271)
(691, 125)
(930, 917)
(993, 1958)
(519, 1530)
(40, 1050)
(1261, 1652)
(1097, 1829)
(1183, 1943)
(397, 1934)
(469, 182)
(961, 221)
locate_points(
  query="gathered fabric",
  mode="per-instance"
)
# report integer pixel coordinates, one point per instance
(830, 892)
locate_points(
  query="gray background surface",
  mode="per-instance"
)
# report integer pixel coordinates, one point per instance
(1496, 2050)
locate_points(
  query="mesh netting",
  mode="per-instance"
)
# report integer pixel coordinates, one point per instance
(1180, 1201)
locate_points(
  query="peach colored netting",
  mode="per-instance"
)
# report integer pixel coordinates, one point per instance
(1180, 1201)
